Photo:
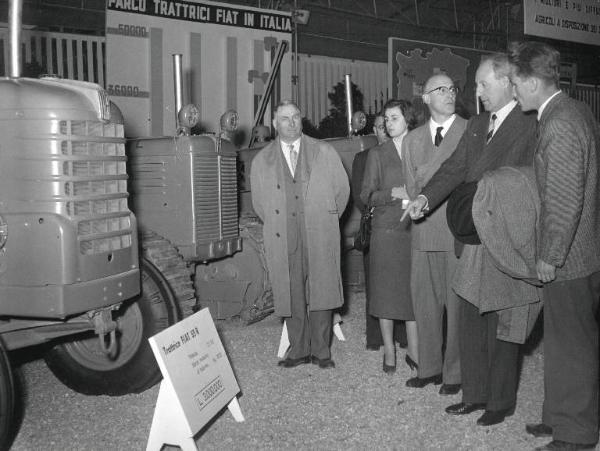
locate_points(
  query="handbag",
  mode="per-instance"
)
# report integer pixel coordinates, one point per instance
(363, 236)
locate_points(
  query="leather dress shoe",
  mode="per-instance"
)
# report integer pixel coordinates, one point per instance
(491, 417)
(291, 363)
(539, 429)
(323, 363)
(464, 408)
(420, 382)
(559, 445)
(449, 389)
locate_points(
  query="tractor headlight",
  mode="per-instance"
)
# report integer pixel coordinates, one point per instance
(229, 121)
(189, 115)
(359, 121)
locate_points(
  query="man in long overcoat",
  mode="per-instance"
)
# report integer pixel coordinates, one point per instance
(299, 190)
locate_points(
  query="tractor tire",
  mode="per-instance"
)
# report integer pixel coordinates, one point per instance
(164, 256)
(82, 365)
(7, 401)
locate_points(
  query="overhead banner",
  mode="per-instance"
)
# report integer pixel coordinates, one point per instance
(566, 20)
(205, 12)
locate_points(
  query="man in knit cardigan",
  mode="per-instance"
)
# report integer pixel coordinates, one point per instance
(566, 162)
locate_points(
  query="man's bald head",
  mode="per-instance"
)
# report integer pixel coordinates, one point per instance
(437, 80)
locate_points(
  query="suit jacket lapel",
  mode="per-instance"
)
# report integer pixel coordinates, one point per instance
(436, 156)
(277, 160)
(309, 154)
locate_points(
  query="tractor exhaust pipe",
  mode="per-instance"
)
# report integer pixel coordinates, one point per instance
(348, 85)
(178, 86)
(15, 13)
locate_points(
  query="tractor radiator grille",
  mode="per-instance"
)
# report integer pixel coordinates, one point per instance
(93, 166)
(215, 197)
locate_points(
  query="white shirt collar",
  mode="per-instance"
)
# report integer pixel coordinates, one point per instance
(545, 104)
(502, 113)
(433, 125)
(285, 148)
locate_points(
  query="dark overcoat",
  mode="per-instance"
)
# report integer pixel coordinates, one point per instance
(512, 145)
(326, 190)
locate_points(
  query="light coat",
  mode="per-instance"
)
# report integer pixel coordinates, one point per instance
(421, 160)
(499, 274)
(326, 191)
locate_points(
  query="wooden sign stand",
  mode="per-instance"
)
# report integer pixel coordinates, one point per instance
(169, 424)
(197, 382)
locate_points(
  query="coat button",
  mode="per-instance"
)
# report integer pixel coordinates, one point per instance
(296, 197)
(293, 214)
(277, 235)
(278, 187)
(276, 211)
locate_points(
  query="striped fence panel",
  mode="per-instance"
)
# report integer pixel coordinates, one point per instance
(318, 75)
(589, 94)
(78, 57)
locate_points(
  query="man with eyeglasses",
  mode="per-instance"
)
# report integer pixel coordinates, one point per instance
(433, 260)
(501, 136)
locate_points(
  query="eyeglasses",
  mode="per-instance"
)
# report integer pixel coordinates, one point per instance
(445, 90)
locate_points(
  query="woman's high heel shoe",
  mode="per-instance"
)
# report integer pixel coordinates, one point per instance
(388, 369)
(410, 362)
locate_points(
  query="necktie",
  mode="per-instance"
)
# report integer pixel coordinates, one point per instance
(293, 158)
(490, 129)
(438, 136)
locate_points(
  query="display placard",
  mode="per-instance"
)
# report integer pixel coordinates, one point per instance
(198, 379)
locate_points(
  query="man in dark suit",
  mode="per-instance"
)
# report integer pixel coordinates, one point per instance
(373, 331)
(433, 260)
(567, 163)
(501, 136)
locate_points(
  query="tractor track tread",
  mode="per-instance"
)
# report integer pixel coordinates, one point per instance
(163, 254)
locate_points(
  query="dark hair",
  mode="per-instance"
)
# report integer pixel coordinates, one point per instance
(500, 64)
(406, 108)
(535, 59)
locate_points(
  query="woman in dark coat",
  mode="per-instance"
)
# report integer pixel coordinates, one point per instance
(390, 247)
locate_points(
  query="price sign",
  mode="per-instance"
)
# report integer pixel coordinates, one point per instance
(198, 379)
